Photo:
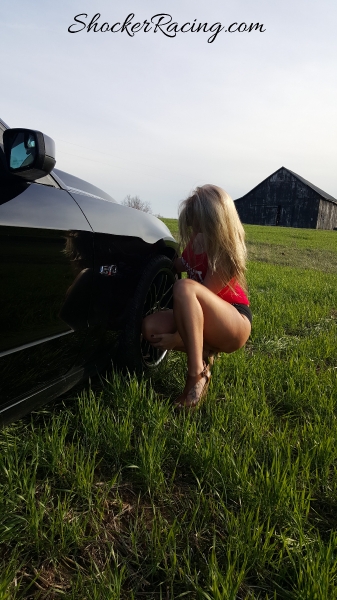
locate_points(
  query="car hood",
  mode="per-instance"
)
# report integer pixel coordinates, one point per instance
(72, 183)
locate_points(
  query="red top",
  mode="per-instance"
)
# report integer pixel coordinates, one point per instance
(197, 266)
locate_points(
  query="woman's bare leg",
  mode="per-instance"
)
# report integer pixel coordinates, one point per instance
(158, 326)
(160, 330)
(202, 317)
(201, 321)
(189, 317)
(159, 322)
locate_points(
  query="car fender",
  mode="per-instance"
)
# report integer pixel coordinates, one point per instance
(105, 215)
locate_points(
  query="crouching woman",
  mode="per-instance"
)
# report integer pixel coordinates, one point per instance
(211, 311)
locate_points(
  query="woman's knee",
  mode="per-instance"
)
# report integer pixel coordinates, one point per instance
(158, 322)
(184, 287)
(148, 327)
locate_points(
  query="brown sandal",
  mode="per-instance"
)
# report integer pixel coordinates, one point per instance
(195, 390)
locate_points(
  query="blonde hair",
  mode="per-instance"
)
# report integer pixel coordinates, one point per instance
(211, 211)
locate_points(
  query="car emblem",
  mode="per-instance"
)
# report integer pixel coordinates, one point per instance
(108, 270)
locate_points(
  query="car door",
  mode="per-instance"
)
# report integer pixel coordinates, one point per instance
(46, 249)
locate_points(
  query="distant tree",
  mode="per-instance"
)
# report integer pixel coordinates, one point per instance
(137, 203)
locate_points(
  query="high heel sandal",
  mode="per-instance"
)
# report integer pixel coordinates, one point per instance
(195, 390)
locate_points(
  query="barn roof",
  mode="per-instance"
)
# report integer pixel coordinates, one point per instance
(321, 193)
(313, 187)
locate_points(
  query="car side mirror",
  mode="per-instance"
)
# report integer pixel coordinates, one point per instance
(29, 154)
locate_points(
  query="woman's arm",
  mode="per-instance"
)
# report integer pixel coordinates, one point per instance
(178, 264)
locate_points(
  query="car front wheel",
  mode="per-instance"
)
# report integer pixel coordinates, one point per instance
(153, 293)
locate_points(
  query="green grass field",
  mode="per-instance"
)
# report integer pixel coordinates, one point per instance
(110, 495)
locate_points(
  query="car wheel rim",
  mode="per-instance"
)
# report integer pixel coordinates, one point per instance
(159, 297)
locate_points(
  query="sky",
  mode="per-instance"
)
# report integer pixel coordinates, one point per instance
(155, 116)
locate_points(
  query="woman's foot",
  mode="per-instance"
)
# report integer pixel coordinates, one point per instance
(195, 390)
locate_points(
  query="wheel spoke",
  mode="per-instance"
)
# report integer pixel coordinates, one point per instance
(150, 301)
(147, 349)
(168, 295)
(161, 287)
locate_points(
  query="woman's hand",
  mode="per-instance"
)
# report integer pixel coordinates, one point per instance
(179, 265)
(166, 341)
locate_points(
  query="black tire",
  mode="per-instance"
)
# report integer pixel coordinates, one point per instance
(153, 293)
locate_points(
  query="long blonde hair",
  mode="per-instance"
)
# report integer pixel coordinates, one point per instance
(211, 211)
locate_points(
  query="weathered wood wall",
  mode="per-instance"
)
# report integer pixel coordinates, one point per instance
(327, 215)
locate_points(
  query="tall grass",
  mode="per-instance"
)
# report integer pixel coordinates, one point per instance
(111, 495)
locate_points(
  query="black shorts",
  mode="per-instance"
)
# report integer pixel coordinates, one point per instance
(243, 309)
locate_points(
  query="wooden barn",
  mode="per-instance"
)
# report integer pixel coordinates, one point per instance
(288, 200)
